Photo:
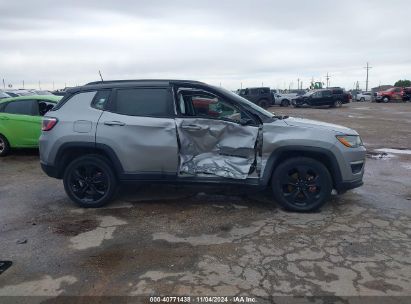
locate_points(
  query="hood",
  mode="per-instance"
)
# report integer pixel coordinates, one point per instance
(307, 123)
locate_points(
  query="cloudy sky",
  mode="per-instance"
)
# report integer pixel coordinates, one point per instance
(228, 42)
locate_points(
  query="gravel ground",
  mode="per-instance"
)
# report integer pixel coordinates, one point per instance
(224, 241)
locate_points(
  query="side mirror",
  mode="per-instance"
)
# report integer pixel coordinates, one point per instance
(246, 121)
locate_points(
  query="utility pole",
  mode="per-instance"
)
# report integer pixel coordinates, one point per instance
(4, 84)
(39, 85)
(23, 84)
(298, 83)
(366, 81)
(241, 85)
(328, 79)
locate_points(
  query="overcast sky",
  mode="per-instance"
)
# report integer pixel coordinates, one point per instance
(227, 42)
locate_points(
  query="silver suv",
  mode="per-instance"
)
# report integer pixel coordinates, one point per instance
(186, 131)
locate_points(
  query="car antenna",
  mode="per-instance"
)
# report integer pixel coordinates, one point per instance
(100, 76)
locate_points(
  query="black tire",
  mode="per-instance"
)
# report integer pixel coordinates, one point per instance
(89, 181)
(285, 103)
(263, 103)
(4, 146)
(301, 184)
(362, 99)
(336, 104)
(385, 99)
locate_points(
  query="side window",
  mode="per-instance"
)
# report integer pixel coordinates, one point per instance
(326, 93)
(254, 92)
(101, 99)
(317, 94)
(209, 106)
(43, 107)
(22, 107)
(144, 102)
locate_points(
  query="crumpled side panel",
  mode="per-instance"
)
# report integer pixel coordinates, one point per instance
(216, 147)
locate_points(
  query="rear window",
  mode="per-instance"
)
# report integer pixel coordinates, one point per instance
(76, 98)
(144, 102)
(22, 107)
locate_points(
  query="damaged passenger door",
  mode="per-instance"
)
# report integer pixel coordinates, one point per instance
(216, 138)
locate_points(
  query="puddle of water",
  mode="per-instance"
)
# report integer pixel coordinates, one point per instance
(395, 151)
(47, 286)
(407, 166)
(376, 155)
(355, 116)
(94, 238)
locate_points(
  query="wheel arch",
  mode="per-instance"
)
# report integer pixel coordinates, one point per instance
(70, 151)
(322, 155)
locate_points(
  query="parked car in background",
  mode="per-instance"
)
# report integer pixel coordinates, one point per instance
(20, 120)
(4, 95)
(42, 92)
(406, 96)
(364, 96)
(184, 131)
(391, 94)
(261, 96)
(333, 97)
(12, 93)
(284, 99)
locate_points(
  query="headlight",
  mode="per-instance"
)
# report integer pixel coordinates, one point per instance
(351, 141)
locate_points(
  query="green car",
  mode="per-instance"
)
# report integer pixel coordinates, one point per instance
(20, 120)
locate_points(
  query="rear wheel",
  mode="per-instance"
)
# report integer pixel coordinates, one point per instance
(362, 99)
(337, 104)
(386, 99)
(4, 146)
(89, 181)
(285, 103)
(263, 103)
(301, 184)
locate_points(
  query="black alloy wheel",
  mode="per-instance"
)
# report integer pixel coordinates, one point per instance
(89, 181)
(301, 184)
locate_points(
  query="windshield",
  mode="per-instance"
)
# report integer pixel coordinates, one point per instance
(245, 102)
(309, 93)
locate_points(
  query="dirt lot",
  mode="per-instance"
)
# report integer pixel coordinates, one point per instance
(171, 240)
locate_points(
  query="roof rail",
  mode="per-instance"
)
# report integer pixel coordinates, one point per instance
(139, 80)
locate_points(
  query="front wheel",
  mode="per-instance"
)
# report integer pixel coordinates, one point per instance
(385, 99)
(263, 103)
(4, 146)
(301, 184)
(89, 181)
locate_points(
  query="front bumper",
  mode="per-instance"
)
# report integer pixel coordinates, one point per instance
(49, 170)
(345, 186)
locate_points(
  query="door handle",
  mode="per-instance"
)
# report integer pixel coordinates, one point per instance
(114, 123)
(191, 127)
